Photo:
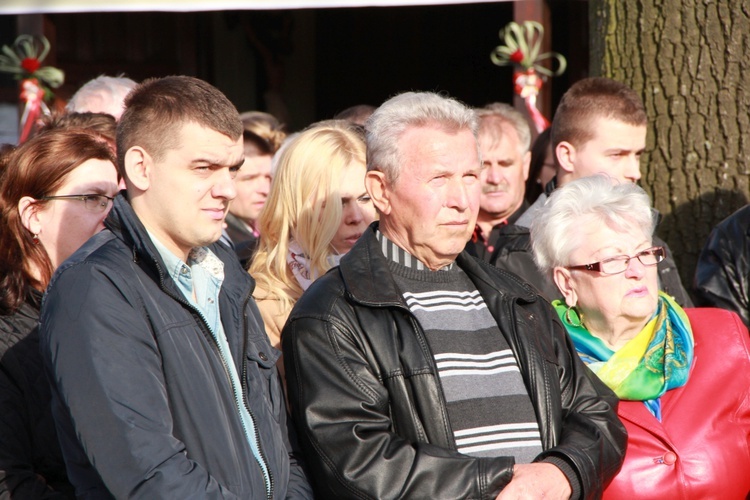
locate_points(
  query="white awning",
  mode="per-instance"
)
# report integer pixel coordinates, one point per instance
(68, 6)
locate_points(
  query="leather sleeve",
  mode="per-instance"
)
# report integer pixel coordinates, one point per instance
(522, 264)
(351, 445)
(721, 276)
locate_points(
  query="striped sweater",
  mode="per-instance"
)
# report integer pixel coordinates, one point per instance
(489, 408)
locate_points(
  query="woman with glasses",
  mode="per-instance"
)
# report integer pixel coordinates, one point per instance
(55, 191)
(682, 376)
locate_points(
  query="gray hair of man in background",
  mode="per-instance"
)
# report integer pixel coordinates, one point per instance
(103, 94)
(506, 113)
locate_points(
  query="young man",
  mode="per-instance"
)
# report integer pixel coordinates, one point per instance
(417, 371)
(599, 127)
(262, 137)
(164, 382)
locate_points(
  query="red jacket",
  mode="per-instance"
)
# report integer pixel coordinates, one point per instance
(701, 449)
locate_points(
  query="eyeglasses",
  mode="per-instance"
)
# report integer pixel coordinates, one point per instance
(93, 202)
(619, 264)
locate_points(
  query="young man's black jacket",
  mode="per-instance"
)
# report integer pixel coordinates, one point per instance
(369, 406)
(142, 400)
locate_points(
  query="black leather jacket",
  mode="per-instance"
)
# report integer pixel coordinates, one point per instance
(370, 410)
(142, 399)
(513, 253)
(722, 276)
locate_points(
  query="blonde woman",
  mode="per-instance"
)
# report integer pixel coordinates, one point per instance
(316, 210)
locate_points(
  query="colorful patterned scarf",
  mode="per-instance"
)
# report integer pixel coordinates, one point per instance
(654, 361)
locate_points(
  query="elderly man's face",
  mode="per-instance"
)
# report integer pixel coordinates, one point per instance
(505, 169)
(431, 209)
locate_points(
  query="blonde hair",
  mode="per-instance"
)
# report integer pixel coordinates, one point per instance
(304, 205)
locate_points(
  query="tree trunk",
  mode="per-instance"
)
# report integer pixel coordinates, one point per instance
(690, 61)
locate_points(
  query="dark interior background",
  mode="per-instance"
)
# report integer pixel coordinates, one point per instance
(320, 60)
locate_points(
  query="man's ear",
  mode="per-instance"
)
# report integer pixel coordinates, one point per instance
(566, 156)
(28, 209)
(565, 283)
(377, 187)
(138, 167)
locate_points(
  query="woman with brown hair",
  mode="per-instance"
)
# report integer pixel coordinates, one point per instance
(55, 191)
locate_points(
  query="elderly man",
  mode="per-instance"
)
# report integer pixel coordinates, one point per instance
(417, 371)
(504, 141)
(599, 127)
(164, 383)
(103, 94)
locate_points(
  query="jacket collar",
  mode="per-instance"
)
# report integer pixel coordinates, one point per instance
(368, 280)
(125, 224)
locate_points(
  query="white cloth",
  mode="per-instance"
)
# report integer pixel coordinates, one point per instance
(299, 263)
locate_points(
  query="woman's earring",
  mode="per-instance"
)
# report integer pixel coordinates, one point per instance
(577, 318)
(35, 238)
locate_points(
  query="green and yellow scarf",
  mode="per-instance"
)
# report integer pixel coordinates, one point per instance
(654, 361)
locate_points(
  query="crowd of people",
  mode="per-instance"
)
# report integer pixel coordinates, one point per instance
(418, 299)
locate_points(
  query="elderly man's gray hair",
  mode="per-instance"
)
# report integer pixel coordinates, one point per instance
(493, 115)
(585, 203)
(114, 88)
(410, 109)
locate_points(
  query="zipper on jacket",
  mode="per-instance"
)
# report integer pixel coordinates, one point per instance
(422, 339)
(266, 473)
(530, 381)
(270, 485)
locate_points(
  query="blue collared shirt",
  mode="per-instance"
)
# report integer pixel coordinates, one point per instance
(200, 282)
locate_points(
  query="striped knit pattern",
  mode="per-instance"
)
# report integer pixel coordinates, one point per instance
(488, 405)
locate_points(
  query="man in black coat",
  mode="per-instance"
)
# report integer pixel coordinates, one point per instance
(417, 371)
(504, 141)
(164, 383)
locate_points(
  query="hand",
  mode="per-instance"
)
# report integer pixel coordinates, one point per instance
(537, 480)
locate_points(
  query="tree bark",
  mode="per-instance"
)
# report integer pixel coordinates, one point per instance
(690, 61)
